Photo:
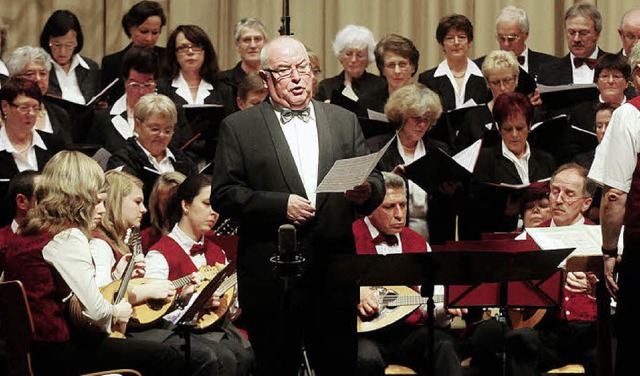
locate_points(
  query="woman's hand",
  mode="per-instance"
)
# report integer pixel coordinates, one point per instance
(368, 305)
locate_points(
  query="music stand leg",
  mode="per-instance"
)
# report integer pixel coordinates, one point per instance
(502, 321)
(427, 291)
(185, 332)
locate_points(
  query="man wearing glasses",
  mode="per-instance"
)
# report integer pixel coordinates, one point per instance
(269, 161)
(582, 24)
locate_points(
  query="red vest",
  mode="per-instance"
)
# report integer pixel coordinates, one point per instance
(412, 242)
(579, 306)
(44, 287)
(149, 237)
(632, 209)
(179, 261)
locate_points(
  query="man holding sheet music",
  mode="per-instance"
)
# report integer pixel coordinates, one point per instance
(269, 161)
(616, 167)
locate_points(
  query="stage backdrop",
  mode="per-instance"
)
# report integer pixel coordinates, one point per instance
(315, 22)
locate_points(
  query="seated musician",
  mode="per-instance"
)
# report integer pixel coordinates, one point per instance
(164, 188)
(20, 199)
(148, 153)
(403, 342)
(564, 335)
(185, 250)
(50, 258)
(111, 253)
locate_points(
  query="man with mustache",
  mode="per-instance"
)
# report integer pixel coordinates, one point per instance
(582, 23)
(568, 334)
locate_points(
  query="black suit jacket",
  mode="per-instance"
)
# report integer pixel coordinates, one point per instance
(9, 169)
(88, 80)
(537, 60)
(112, 68)
(60, 121)
(365, 85)
(560, 71)
(476, 89)
(254, 175)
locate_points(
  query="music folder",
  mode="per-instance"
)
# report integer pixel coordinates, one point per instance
(345, 102)
(567, 96)
(204, 119)
(535, 282)
(560, 139)
(436, 167)
(461, 127)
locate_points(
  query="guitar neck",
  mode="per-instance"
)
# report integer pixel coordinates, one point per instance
(226, 285)
(403, 300)
(135, 245)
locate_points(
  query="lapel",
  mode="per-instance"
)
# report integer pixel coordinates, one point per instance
(325, 148)
(508, 166)
(83, 83)
(288, 167)
(8, 167)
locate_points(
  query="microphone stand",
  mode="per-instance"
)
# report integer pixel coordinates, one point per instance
(289, 270)
(285, 29)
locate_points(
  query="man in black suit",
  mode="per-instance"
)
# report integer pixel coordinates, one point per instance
(269, 161)
(582, 24)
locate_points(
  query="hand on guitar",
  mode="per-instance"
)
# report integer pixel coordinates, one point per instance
(138, 268)
(158, 289)
(188, 290)
(214, 302)
(369, 304)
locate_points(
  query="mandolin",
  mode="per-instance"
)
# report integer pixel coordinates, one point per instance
(208, 317)
(150, 311)
(114, 292)
(396, 302)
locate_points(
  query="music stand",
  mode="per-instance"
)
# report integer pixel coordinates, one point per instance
(444, 268)
(188, 321)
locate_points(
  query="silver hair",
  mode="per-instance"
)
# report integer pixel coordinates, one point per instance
(264, 53)
(24, 55)
(249, 23)
(585, 10)
(634, 57)
(354, 36)
(627, 14)
(393, 180)
(513, 13)
(157, 104)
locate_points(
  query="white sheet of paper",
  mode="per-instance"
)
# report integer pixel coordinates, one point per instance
(102, 92)
(375, 115)
(586, 239)
(347, 173)
(468, 157)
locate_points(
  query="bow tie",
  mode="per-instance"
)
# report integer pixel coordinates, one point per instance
(198, 249)
(391, 240)
(578, 61)
(521, 59)
(288, 114)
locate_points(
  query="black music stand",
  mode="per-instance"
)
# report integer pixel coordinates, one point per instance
(188, 321)
(445, 268)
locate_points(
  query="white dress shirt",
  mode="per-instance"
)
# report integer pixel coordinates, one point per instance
(583, 74)
(472, 70)
(182, 89)
(30, 162)
(156, 263)
(69, 81)
(521, 164)
(124, 126)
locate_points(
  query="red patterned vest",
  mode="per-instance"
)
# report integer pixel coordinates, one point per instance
(576, 307)
(412, 242)
(179, 261)
(632, 210)
(44, 287)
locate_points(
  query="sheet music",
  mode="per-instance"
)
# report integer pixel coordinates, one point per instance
(349, 93)
(583, 130)
(347, 173)
(536, 125)
(586, 239)
(469, 103)
(375, 115)
(468, 157)
(102, 157)
(102, 92)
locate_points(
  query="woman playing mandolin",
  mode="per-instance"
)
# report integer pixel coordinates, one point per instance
(51, 258)
(124, 211)
(185, 250)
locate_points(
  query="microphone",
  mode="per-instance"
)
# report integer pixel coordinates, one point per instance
(287, 244)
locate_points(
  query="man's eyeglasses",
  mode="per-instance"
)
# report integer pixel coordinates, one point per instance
(505, 81)
(581, 33)
(284, 72)
(137, 85)
(566, 197)
(196, 48)
(24, 109)
(507, 38)
(61, 46)
(630, 37)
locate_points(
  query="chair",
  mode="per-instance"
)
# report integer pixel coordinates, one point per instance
(16, 328)
(398, 370)
(569, 369)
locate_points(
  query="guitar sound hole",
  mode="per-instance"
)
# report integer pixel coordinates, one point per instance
(389, 296)
(155, 304)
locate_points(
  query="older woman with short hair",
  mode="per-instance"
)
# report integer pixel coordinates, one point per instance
(457, 79)
(397, 59)
(354, 46)
(415, 109)
(148, 154)
(34, 63)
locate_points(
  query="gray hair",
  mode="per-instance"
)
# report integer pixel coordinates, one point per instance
(24, 55)
(249, 23)
(393, 180)
(627, 14)
(159, 104)
(264, 53)
(512, 13)
(354, 36)
(634, 57)
(585, 10)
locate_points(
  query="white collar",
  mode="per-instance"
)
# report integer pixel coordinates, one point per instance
(6, 145)
(579, 222)
(3, 68)
(75, 61)
(119, 106)
(509, 154)
(169, 153)
(182, 89)
(374, 231)
(183, 240)
(594, 55)
(443, 69)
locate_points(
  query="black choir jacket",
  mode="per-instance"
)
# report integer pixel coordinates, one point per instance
(88, 80)
(560, 71)
(476, 88)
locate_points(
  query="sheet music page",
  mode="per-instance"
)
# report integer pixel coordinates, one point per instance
(349, 93)
(586, 239)
(102, 157)
(468, 157)
(469, 103)
(347, 173)
(102, 92)
(536, 125)
(375, 115)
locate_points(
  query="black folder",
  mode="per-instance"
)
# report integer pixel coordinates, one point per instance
(434, 168)
(371, 127)
(462, 127)
(341, 100)
(558, 138)
(563, 97)
(204, 119)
